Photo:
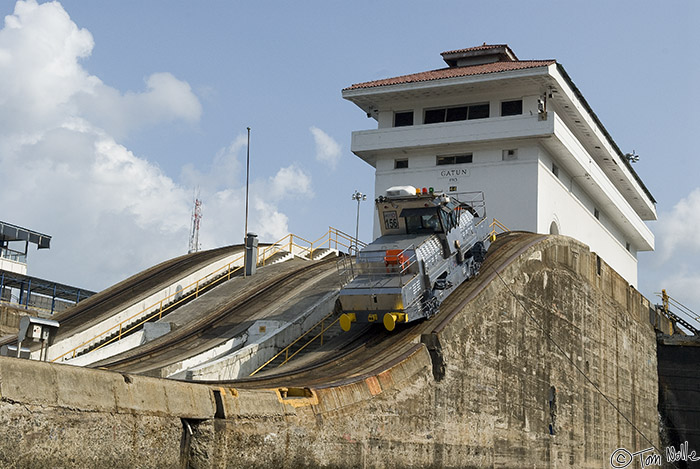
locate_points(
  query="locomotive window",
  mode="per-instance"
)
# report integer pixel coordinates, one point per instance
(426, 223)
(391, 221)
(413, 224)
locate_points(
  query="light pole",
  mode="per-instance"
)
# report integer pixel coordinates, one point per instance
(359, 196)
(247, 183)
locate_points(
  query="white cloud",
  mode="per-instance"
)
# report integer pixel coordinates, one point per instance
(166, 99)
(678, 229)
(110, 212)
(222, 172)
(683, 286)
(327, 149)
(675, 264)
(289, 182)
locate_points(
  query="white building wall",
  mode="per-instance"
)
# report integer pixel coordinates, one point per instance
(523, 193)
(12, 266)
(560, 199)
(509, 187)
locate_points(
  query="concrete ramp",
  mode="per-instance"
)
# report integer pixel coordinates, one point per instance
(511, 373)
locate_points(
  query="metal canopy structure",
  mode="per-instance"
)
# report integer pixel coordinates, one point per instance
(9, 232)
(53, 291)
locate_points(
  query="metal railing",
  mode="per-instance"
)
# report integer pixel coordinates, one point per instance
(300, 247)
(680, 311)
(286, 350)
(12, 255)
(494, 225)
(163, 306)
(332, 237)
(376, 266)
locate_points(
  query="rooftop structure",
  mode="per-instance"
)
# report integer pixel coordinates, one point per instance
(14, 243)
(521, 132)
(20, 290)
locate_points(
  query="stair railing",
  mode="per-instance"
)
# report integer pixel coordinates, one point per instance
(332, 237)
(495, 224)
(163, 306)
(300, 247)
(286, 350)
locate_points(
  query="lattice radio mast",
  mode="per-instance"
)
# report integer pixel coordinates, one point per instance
(196, 217)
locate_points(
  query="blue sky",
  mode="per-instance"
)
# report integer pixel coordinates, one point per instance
(114, 110)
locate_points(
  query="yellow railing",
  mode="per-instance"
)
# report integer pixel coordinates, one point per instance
(304, 248)
(285, 350)
(667, 300)
(496, 224)
(330, 238)
(124, 328)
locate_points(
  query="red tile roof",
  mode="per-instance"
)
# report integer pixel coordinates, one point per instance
(477, 48)
(452, 72)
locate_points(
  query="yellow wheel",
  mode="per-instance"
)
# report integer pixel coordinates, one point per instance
(346, 320)
(389, 321)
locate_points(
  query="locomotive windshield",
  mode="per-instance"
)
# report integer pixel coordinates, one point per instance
(422, 220)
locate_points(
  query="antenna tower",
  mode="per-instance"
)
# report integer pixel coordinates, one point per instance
(196, 217)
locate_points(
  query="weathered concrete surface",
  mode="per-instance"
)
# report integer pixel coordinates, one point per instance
(63, 416)
(508, 396)
(9, 319)
(482, 391)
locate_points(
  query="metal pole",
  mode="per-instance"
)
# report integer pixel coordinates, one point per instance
(357, 227)
(359, 196)
(247, 182)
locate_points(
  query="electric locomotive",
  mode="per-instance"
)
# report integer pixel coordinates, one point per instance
(430, 243)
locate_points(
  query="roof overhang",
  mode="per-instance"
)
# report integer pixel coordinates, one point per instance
(372, 98)
(10, 232)
(548, 80)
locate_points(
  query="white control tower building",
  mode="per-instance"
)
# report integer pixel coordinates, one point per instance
(521, 132)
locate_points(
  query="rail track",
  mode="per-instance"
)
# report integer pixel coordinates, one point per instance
(370, 351)
(226, 320)
(84, 314)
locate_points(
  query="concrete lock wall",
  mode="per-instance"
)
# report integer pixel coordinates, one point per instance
(491, 392)
(488, 389)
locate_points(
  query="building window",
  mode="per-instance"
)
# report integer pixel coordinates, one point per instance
(596, 213)
(598, 265)
(453, 159)
(401, 164)
(457, 113)
(628, 247)
(479, 111)
(403, 119)
(512, 108)
(509, 155)
(555, 170)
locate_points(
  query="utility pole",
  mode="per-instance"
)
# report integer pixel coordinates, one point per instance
(247, 184)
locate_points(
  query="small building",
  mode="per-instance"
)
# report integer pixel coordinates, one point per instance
(19, 290)
(521, 132)
(14, 244)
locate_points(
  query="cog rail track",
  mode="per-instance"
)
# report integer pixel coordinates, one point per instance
(123, 293)
(230, 316)
(375, 350)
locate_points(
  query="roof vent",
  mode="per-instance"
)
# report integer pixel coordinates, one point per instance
(483, 54)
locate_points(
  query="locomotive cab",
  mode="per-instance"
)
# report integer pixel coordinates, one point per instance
(427, 248)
